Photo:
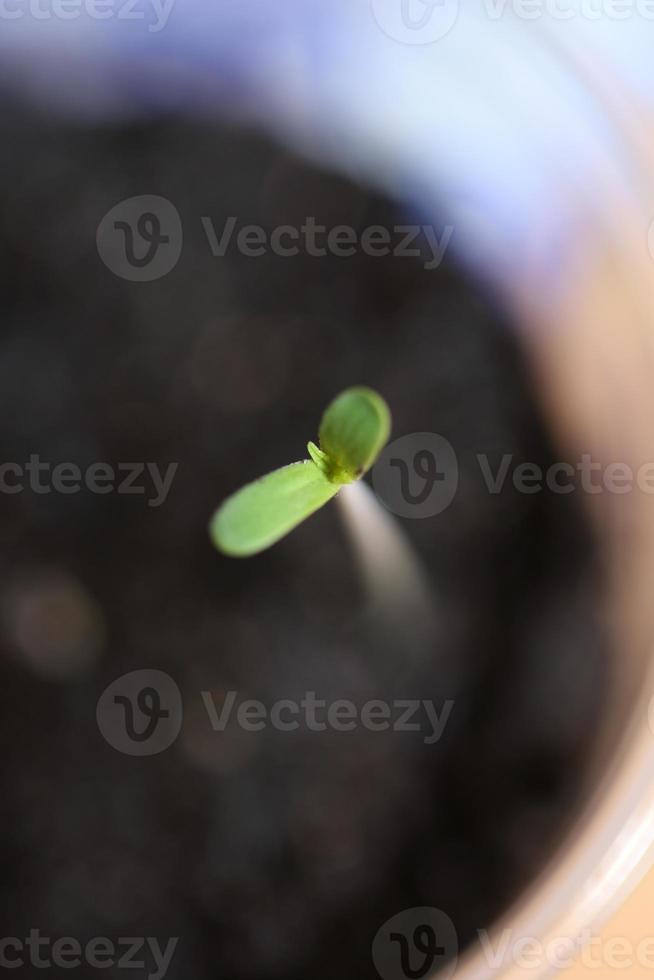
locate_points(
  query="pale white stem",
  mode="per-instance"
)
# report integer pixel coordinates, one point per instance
(395, 580)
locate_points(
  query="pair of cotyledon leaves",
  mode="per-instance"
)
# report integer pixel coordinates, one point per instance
(353, 431)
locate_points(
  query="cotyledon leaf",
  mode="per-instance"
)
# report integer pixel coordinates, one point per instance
(353, 431)
(261, 513)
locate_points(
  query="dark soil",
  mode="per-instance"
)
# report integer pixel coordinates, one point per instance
(271, 855)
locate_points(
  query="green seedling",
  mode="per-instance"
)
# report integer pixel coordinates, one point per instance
(353, 431)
